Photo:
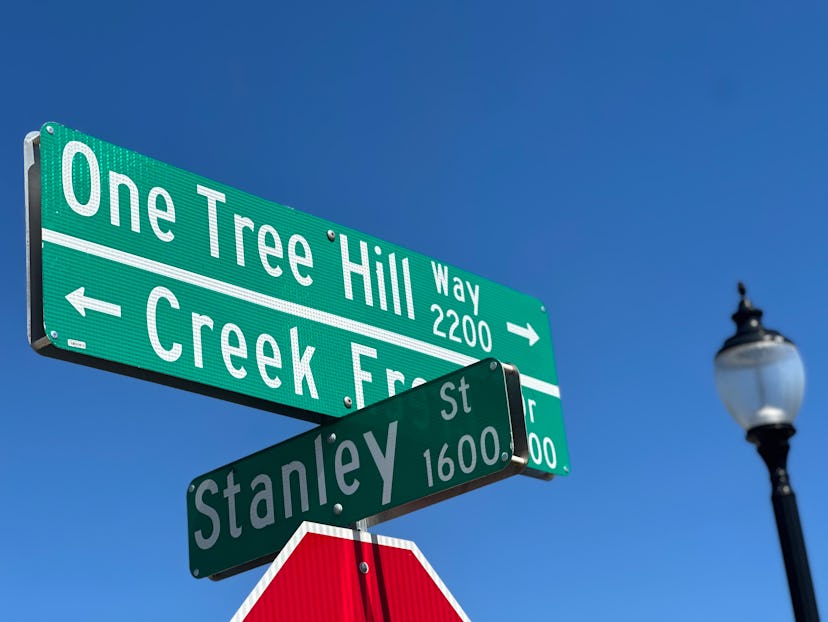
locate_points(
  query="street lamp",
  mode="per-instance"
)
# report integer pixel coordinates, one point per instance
(760, 379)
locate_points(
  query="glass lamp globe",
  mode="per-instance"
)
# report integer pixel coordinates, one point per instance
(759, 373)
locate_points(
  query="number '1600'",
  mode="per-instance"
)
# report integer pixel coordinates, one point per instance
(467, 452)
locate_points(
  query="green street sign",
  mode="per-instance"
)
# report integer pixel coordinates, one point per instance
(141, 268)
(445, 437)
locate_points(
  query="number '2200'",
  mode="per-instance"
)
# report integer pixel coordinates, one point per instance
(472, 333)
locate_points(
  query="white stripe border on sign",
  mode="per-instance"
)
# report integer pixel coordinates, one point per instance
(347, 534)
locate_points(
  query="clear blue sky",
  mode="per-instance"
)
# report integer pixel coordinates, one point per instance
(625, 163)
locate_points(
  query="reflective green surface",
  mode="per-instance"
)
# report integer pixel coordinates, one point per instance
(159, 269)
(430, 443)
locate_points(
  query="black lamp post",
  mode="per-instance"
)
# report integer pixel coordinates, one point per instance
(761, 380)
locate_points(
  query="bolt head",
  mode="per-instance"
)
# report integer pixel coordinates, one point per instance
(337, 509)
(504, 457)
(191, 488)
(196, 572)
(331, 438)
(347, 401)
(493, 365)
(53, 334)
(331, 235)
(363, 567)
(50, 129)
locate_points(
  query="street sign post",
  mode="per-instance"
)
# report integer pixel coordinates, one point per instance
(141, 268)
(329, 573)
(440, 439)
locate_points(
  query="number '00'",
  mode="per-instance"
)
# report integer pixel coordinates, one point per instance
(472, 333)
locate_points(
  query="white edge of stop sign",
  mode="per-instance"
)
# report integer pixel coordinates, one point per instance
(347, 534)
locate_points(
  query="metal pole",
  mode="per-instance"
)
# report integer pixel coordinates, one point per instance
(772, 443)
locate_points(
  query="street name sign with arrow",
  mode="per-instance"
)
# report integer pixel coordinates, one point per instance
(144, 269)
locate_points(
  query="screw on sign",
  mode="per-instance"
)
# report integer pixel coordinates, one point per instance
(328, 573)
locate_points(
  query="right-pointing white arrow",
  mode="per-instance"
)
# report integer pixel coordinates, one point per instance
(81, 302)
(526, 332)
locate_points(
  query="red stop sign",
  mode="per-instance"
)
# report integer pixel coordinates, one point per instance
(327, 573)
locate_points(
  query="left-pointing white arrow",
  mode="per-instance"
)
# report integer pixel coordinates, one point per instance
(81, 302)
